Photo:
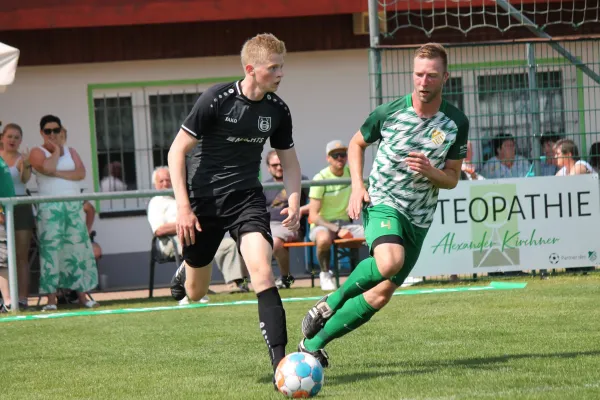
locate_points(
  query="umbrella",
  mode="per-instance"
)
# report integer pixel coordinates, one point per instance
(9, 56)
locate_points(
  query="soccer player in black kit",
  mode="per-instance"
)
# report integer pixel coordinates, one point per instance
(224, 135)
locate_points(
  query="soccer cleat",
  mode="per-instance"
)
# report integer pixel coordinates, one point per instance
(178, 283)
(315, 318)
(321, 355)
(285, 282)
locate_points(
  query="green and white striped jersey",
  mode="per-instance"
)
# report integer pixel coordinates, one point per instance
(401, 131)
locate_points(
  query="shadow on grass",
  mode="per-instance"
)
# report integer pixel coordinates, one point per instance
(398, 368)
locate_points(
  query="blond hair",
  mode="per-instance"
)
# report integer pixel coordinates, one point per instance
(432, 51)
(260, 47)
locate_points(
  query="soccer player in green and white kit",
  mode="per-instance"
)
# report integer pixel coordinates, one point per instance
(423, 141)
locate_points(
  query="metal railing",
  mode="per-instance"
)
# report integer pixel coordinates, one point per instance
(9, 204)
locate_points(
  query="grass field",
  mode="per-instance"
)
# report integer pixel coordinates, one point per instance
(541, 342)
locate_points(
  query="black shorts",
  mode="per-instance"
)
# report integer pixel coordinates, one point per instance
(238, 212)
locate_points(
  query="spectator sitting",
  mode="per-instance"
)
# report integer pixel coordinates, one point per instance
(548, 141)
(162, 213)
(506, 163)
(567, 159)
(66, 254)
(327, 210)
(20, 171)
(113, 178)
(595, 157)
(468, 171)
(277, 201)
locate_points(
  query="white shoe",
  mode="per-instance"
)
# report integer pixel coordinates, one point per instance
(91, 304)
(186, 300)
(327, 281)
(50, 307)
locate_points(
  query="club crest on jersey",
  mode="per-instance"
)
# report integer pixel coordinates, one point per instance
(264, 124)
(438, 137)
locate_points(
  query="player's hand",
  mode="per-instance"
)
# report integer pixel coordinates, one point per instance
(418, 162)
(186, 225)
(357, 199)
(292, 222)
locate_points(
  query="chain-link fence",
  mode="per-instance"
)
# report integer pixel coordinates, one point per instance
(523, 89)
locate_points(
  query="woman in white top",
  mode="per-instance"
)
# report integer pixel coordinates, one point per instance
(20, 171)
(567, 159)
(66, 254)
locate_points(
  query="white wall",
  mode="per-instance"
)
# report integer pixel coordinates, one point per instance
(328, 93)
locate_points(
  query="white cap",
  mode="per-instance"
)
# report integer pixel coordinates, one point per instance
(335, 145)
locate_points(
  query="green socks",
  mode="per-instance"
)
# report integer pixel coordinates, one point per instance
(364, 277)
(353, 314)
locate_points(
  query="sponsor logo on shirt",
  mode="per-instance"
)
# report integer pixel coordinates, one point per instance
(232, 120)
(234, 139)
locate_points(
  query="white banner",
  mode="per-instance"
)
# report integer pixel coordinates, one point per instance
(512, 225)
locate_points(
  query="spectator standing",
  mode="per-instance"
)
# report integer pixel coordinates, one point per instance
(66, 253)
(20, 171)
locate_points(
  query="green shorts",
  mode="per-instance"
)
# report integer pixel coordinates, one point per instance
(384, 224)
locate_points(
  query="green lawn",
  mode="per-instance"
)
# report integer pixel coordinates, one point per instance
(541, 342)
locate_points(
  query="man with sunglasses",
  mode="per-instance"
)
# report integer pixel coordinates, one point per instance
(277, 200)
(327, 210)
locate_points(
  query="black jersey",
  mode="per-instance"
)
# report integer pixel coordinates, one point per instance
(231, 131)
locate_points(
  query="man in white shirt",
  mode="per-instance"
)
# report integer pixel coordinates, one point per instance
(112, 181)
(162, 214)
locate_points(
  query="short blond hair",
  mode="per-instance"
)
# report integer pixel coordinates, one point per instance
(260, 47)
(432, 51)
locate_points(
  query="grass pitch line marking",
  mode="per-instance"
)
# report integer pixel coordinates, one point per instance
(402, 292)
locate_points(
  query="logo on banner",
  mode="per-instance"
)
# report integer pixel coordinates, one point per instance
(493, 226)
(592, 256)
(554, 258)
(264, 124)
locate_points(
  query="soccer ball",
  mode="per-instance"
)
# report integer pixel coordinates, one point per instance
(299, 375)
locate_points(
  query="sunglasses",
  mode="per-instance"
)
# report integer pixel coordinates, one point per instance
(274, 165)
(337, 156)
(49, 131)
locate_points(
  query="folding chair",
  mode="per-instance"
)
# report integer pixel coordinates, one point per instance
(157, 256)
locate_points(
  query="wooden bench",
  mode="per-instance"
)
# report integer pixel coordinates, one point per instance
(338, 244)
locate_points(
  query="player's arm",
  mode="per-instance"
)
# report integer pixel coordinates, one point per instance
(356, 161)
(291, 181)
(446, 178)
(283, 142)
(186, 220)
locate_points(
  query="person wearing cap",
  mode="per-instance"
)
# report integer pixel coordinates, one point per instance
(327, 210)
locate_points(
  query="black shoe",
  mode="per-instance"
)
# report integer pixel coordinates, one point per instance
(4, 308)
(285, 282)
(321, 355)
(178, 283)
(315, 318)
(242, 285)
